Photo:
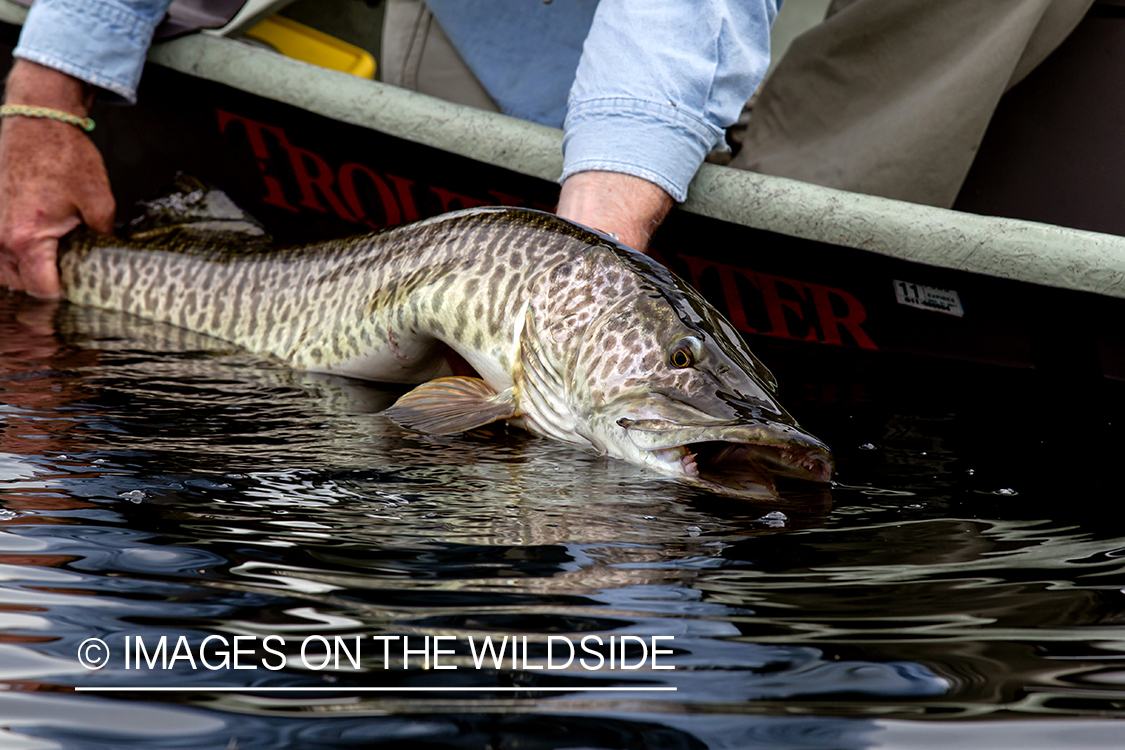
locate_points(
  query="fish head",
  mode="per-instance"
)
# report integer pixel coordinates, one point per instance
(658, 377)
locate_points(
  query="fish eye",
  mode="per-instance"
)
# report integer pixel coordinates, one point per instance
(683, 353)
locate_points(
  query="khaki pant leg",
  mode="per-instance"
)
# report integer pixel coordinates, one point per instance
(892, 97)
(417, 55)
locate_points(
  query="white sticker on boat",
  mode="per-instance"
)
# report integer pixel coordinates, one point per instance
(946, 301)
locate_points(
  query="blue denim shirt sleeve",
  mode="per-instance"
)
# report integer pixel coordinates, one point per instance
(523, 52)
(658, 83)
(102, 42)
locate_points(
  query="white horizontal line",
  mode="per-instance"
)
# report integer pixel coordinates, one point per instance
(252, 689)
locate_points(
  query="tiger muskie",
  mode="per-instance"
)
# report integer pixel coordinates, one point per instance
(570, 335)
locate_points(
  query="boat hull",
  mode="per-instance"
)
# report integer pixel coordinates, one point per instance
(307, 177)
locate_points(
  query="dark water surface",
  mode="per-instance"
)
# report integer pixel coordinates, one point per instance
(961, 587)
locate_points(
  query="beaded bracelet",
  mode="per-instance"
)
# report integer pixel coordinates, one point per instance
(27, 110)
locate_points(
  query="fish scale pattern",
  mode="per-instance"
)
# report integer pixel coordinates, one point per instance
(386, 299)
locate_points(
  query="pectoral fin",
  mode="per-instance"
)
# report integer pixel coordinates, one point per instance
(448, 405)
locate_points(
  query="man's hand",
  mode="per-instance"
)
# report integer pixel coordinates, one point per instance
(52, 178)
(621, 204)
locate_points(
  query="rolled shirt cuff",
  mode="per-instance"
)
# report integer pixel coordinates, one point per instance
(657, 142)
(99, 42)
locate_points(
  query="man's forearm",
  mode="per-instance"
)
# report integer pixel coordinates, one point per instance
(620, 204)
(31, 83)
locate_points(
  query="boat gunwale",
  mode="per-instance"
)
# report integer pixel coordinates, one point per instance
(1012, 249)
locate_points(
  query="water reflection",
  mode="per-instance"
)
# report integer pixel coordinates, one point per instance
(154, 482)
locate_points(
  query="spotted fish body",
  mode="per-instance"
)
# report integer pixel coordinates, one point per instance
(572, 335)
(375, 307)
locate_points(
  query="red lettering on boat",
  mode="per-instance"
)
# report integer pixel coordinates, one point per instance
(785, 302)
(275, 196)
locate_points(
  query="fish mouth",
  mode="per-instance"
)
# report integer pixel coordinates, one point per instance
(736, 460)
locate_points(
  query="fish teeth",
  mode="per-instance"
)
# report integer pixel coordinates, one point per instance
(691, 469)
(677, 456)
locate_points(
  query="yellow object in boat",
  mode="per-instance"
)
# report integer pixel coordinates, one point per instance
(305, 43)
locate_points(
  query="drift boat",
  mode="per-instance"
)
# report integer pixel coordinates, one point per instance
(315, 153)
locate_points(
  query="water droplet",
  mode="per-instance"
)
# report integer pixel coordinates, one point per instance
(649, 518)
(1006, 491)
(99, 461)
(775, 519)
(693, 530)
(970, 472)
(867, 447)
(133, 496)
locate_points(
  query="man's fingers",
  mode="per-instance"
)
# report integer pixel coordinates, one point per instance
(38, 272)
(8, 274)
(99, 212)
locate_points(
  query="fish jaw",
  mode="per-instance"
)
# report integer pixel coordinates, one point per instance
(732, 459)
